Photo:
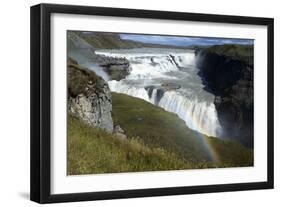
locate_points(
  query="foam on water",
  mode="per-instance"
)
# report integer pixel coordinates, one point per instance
(153, 67)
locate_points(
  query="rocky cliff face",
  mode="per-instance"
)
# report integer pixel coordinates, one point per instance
(116, 68)
(231, 81)
(89, 97)
(83, 52)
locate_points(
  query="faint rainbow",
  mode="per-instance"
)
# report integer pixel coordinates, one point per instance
(211, 150)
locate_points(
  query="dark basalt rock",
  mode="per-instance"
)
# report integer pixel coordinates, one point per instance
(170, 86)
(116, 68)
(174, 61)
(160, 90)
(231, 81)
(149, 90)
(159, 94)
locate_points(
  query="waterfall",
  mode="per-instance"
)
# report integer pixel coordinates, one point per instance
(199, 116)
(151, 69)
(151, 65)
(120, 87)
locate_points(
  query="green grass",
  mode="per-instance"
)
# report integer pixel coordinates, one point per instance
(157, 140)
(91, 150)
(159, 128)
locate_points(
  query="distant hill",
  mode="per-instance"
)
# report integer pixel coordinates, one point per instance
(107, 40)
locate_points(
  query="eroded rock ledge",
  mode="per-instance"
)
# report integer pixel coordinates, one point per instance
(89, 97)
(116, 68)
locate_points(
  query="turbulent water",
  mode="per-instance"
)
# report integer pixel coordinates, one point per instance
(168, 78)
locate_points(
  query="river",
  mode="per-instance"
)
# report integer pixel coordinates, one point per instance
(168, 78)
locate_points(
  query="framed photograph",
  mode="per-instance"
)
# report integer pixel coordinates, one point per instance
(133, 103)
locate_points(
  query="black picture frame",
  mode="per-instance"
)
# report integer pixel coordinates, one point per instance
(41, 99)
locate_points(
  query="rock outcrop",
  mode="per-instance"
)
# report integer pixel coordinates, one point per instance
(160, 90)
(158, 95)
(89, 97)
(170, 86)
(81, 49)
(119, 132)
(116, 68)
(231, 81)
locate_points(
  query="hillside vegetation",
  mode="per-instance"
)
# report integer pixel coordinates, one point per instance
(92, 150)
(157, 140)
(107, 40)
(78, 78)
(234, 51)
(159, 128)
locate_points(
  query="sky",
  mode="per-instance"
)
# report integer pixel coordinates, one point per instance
(184, 41)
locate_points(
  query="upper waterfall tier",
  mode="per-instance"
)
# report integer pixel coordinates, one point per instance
(152, 63)
(168, 78)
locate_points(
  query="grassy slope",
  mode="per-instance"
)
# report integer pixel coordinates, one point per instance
(108, 41)
(158, 140)
(158, 128)
(91, 150)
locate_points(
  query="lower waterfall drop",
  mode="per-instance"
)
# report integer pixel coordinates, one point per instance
(152, 70)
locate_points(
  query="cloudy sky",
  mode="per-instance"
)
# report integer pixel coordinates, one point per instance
(184, 41)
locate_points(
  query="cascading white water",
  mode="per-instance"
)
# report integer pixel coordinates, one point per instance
(200, 116)
(120, 87)
(152, 70)
(151, 65)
